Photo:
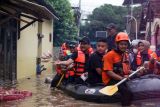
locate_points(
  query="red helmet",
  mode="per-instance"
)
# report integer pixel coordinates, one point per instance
(121, 37)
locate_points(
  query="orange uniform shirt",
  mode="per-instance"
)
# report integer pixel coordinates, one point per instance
(109, 59)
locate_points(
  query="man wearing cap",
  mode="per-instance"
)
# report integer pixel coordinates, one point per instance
(112, 32)
(79, 58)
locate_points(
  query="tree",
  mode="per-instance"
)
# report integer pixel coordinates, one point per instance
(101, 17)
(65, 28)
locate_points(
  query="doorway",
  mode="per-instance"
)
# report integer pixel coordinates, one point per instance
(8, 51)
(157, 36)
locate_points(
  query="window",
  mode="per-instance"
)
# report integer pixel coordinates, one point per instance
(50, 37)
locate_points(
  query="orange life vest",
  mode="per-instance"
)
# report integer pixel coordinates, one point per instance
(90, 50)
(70, 73)
(122, 68)
(151, 54)
(58, 69)
(80, 63)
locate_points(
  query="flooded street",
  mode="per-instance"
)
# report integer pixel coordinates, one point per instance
(43, 96)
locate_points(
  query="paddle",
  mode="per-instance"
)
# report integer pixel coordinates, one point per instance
(110, 90)
(60, 80)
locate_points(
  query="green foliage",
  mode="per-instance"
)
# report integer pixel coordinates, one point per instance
(101, 17)
(65, 28)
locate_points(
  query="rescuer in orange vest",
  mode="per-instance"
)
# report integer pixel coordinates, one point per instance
(64, 51)
(145, 57)
(79, 58)
(117, 67)
(69, 75)
(60, 69)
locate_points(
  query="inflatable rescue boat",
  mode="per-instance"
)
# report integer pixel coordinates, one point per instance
(145, 87)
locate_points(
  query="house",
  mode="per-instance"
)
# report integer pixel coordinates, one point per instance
(134, 25)
(149, 25)
(153, 28)
(26, 31)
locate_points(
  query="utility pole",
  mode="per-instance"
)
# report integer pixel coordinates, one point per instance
(150, 19)
(79, 20)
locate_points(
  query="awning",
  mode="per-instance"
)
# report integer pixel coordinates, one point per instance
(129, 2)
(28, 7)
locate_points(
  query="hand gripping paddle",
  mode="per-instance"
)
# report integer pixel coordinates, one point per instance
(110, 90)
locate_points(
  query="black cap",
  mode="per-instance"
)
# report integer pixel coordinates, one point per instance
(73, 44)
(85, 40)
(111, 26)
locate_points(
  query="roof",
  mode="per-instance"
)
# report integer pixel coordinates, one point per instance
(37, 8)
(129, 2)
(49, 7)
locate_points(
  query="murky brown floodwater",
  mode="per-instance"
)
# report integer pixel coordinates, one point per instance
(43, 96)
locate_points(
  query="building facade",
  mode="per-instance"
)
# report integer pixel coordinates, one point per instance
(149, 25)
(26, 31)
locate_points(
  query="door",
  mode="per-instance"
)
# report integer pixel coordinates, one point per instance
(157, 36)
(8, 51)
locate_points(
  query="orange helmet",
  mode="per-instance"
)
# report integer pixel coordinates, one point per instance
(122, 36)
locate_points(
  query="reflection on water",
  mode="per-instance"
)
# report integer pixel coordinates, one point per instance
(43, 96)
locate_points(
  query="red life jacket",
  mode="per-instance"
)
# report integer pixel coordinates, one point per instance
(151, 54)
(80, 63)
(58, 69)
(90, 50)
(70, 73)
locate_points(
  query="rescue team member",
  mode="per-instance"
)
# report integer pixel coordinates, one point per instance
(69, 75)
(65, 53)
(145, 56)
(112, 32)
(95, 64)
(116, 67)
(79, 58)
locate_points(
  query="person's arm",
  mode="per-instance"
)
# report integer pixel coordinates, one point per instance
(99, 71)
(68, 62)
(114, 75)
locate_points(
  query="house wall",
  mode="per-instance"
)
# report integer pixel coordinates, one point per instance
(154, 24)
(27, 47)
(47, 46)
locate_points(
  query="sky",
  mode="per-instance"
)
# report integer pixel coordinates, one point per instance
(87, 6)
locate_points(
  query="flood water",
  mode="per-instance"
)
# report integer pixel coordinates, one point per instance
(43, 96)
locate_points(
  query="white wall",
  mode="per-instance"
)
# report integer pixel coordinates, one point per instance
(27, 48)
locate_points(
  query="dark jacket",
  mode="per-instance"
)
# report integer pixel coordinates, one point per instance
(111, 42)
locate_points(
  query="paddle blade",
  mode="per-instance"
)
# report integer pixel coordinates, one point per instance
(109, 90)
